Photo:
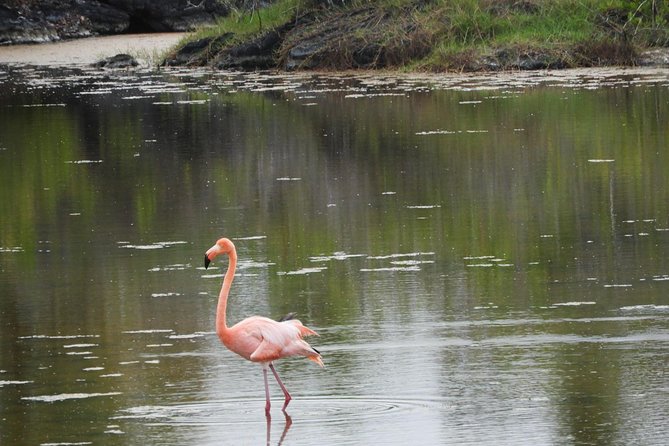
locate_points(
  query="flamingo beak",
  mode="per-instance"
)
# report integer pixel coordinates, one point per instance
(206, 261)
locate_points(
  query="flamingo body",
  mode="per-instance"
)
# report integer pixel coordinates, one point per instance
(257, 338)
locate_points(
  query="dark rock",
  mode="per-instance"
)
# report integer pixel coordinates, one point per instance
(117, 62)
(257, 54)
(198, 52)
(35, 21)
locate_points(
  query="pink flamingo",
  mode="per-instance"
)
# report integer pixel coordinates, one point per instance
(257, 338)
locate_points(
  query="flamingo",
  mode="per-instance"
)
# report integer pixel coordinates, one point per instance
(257, 338)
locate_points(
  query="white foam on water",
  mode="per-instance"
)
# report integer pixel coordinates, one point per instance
(436, 132)
(573, 304)
(80, 345)
(289, 179)
(391, 269)
(78, 353)
(11, 249)
(14, 383)
(478, 257)
(58, 336)
(302, 271)
(169, 294)
(399, 255)
(480, 265)
(188, 336)
(410, 262)
(111, 375)
(194, 101)
(93, 369)
(252, 237)
(334, 256)
(67, 396)
(423, 206)
(156, 245)
(175, 267)
(78, 443)
(646, 307)
(84, 162)
(149, 331)
(618, 285)
(601, 160)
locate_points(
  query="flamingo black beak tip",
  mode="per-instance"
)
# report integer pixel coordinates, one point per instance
(206, 261)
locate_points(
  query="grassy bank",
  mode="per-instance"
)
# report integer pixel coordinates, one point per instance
(444, 34)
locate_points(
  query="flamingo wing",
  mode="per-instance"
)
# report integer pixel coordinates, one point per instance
(268, 340)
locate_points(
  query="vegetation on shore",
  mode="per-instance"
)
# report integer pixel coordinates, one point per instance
(436, 35)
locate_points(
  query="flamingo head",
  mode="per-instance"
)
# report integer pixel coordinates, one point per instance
(222, 246)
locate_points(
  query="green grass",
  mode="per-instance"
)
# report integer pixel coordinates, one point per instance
(244, 24)
(470, 28)
(460, 31)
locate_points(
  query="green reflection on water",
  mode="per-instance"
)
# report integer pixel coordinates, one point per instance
(505, 201)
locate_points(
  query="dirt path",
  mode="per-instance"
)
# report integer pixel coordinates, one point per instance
(146, 48)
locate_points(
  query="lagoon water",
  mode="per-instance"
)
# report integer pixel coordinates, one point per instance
(486, 259)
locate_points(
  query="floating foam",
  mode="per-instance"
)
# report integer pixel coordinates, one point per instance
(601, 160)
(80, 345)
(391, 269)
(84, 162)
(170, 294)
(408, 254)
(175, 267)
(646, 307)
(14, 383)
(252, 237)
(67, 396)
(335, 256)
(156, 245)
(573, 304)
(302, 271)
(149, 331)
(188, 336)
(79, 443)
(11, 249)
(58, 336)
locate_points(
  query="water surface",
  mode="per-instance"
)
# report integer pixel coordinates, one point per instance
(485, 258)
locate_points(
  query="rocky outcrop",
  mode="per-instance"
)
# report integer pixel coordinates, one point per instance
(119, 61)
(35, 21)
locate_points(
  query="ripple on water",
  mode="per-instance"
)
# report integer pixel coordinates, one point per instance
(321, 410)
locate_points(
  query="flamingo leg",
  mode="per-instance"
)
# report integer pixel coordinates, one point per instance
(267, 403)
(283, 388)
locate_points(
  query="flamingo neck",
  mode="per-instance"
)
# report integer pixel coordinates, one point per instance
(221, 326)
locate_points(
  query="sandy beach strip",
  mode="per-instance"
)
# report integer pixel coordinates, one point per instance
(146, 48)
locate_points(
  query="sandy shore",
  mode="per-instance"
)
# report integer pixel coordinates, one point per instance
(146, 48)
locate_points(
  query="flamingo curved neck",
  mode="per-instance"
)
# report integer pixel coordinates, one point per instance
(221, 326)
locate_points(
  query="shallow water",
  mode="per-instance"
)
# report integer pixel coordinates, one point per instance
(485, 258)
